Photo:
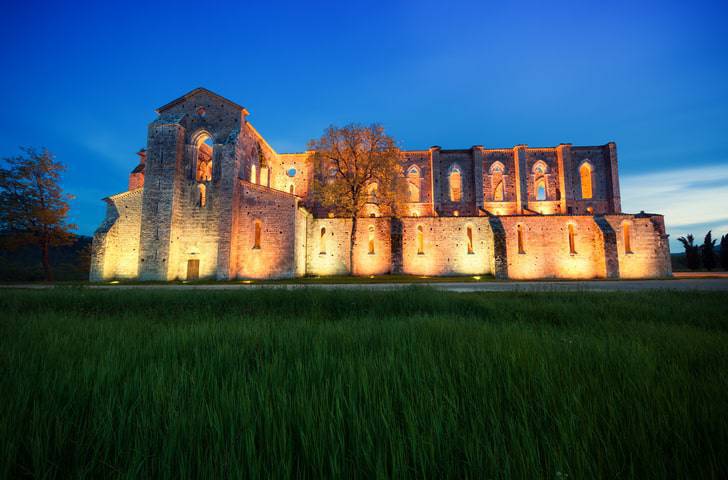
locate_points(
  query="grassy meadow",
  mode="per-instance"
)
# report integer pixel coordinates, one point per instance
(324, 383)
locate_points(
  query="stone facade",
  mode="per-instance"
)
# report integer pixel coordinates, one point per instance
(211, 199)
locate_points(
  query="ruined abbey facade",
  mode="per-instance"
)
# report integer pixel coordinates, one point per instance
(211, 199)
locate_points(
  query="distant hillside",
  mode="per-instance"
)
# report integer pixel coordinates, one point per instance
(69, 263)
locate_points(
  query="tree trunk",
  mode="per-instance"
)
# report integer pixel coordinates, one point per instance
(352, 241)
(46, 259)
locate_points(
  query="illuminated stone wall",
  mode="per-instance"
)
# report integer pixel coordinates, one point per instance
(649, 254)
(328, 253)
(546, 252)
(445, 246)
(273, 254)
(115, 249)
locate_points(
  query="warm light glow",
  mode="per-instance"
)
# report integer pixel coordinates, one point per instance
(585, 172)
(476, 277)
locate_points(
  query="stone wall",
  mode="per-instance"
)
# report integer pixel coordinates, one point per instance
(115, 249)
(329, 240)
(445, 246)
(546, 250)
(649, 253)
(274, 256)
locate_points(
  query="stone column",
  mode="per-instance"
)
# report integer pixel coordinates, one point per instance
(563, 159)
(521, 178)
(615, 200)
(435, 180)
(478, 158)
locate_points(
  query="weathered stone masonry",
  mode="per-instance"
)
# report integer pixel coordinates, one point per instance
(211, 199)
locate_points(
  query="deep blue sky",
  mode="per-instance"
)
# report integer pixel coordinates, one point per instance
(83, 80)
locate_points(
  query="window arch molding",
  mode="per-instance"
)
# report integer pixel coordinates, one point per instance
(540, 168)
(496, 168)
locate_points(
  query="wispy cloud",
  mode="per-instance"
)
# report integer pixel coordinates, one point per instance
(693, 200)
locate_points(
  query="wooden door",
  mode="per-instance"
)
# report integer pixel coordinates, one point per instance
(193, 269)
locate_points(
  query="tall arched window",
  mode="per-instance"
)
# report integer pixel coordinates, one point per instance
(253, 174)
(572, 239)
(498, 192)
(585, 172)
(627, 236)
(371, 239)
(322, 241)
(469, 235)
(519, 233)
(420, 240)
(541, 189)
(413, 183)
(456, 184)
(257, 234)
(204, 145)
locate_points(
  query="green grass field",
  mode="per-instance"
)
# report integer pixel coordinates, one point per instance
(275, 383)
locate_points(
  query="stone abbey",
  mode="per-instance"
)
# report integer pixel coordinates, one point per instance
(211, 199)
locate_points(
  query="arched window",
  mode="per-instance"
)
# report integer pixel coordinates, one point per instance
(497, 168)
(413, 183)
(420, 240)
(257, 234)
(371, 239)
(456, 184)
(572, 240)
(253, 174)
(372, 192)
(541, 189)
(519, 233)
(498, 192)
(204, 145)
(540, 168)
(291, 189)
(627, 236)
(322, 241)
(202, 195)
(585, 172)
(469, 234)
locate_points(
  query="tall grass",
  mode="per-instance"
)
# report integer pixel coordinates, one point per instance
(275, 383)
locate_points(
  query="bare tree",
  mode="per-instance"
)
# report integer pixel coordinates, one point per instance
(356, 165)
(33, 207)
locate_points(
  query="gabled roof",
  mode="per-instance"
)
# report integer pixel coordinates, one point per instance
(198, 91)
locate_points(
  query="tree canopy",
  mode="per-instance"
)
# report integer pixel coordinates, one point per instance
(33, 207)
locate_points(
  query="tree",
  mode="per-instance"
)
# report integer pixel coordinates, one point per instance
(724, 252)
(33, 207)
(707, 250)
(355, 165)
(691, 251)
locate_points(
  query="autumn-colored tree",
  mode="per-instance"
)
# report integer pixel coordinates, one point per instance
(355, 165)
(33, 207)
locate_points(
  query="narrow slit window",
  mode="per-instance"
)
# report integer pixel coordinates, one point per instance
(519, 233)
(371, 240)
(253, 174)
(572, 240)
(202, 195)
(322, 241)
(498, 192)
(469, 233)
(257, 234)
(291, 189)
(627, 238)
(456, 185)
(420, 240)
(541, 190)
(585, 172)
